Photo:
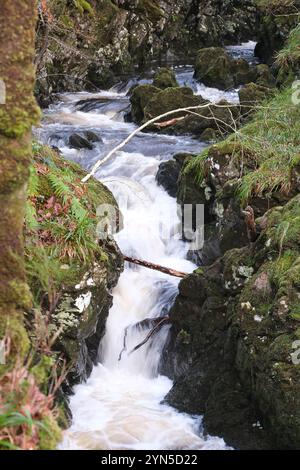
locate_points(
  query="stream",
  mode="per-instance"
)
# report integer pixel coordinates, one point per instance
(121, 404)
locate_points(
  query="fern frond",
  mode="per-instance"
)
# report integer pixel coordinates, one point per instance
(60, 188)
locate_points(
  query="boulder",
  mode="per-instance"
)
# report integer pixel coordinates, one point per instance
(168, 173)
(214, 68)
(243, 72)
(169, 99)
(251, 95)
(92, 136)
(140, 97)
(167, 176)
(165, 78)
(78, 142)
(264, 76)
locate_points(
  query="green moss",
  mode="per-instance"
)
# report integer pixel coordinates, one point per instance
(165, 78)
(83, 6)
(150, 9)
(42, 371)
(281, 266)
(49, 434)
(295, 314)
(12, 326)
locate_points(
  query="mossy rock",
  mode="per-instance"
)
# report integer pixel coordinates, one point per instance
(214, 68)
(140, 97)
(264, 76)
(252, 95)
(243, 72)
(165, 78)
(170, 99)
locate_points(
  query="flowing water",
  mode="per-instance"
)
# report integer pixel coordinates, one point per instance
(120, 406)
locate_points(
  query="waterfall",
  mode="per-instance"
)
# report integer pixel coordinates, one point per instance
(121, 405)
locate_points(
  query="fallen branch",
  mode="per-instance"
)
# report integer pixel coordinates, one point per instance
(171, 122)
(155, 323)
(150, 334)
(155, 267)
(141, 128)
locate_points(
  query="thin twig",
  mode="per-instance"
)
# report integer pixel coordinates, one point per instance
(141, 128)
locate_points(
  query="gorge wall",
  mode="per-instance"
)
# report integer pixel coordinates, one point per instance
(89, 44)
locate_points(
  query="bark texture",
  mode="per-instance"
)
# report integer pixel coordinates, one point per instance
(17, 115)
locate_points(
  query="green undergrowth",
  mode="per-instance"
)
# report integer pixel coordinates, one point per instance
(290, 54)
(61, 221)
(267, 149)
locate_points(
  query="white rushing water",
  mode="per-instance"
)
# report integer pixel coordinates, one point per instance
(121, 405)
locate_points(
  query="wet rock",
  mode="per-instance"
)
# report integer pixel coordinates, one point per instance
(81, 314)
(167, 176)
(91, 104)
(165, 78)
(78, 142)
(251, 95)
(92, 137)
(141, 96)
(265, 77)
(214, 68)
(168, 173)
(241, 318)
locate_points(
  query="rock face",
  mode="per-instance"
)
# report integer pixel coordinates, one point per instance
(81, 314)
(88, 45)
(275, 22)
(242, 315)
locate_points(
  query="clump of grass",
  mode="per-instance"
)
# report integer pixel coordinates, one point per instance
(269, 147)
(289, 56)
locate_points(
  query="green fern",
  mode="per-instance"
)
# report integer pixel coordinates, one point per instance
(78, 211)
(60, 188)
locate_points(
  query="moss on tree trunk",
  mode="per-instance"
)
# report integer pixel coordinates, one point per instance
(17, 115)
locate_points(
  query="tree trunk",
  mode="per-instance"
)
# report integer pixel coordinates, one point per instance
(17, 115)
